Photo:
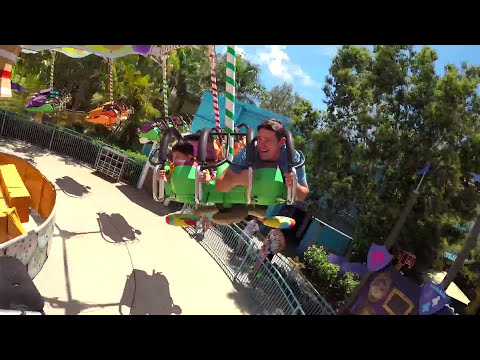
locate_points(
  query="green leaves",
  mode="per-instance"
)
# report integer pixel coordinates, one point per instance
(390, 111)
(335, 288)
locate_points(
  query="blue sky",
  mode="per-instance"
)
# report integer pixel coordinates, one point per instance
(306, 66)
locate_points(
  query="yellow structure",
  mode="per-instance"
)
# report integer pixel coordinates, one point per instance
(22, 187)
(14, 191)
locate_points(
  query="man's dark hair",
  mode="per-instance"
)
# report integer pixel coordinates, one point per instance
(273, 125)
(183, 147)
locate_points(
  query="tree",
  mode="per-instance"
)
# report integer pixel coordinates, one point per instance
(305, 122)
(189, 75)
(391, 113)
(281, 99)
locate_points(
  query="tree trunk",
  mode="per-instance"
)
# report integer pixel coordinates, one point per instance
(458, 264)
(392, 237)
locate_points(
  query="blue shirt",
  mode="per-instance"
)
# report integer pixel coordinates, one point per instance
(241, 159)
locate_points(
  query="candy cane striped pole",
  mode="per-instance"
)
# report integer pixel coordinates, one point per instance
(110, 83)
(214, 86)
(165, 85)
(230, 98)
(52, 69)
(8, 57)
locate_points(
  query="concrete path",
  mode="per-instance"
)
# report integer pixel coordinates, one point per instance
(112, 248)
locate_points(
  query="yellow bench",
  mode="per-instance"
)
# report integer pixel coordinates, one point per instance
(15, 193)
(10, 225)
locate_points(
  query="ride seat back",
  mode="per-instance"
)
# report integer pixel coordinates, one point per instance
(183, 183)
(268, 185)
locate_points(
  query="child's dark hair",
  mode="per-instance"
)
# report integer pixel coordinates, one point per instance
(274, 125)
(183, 147)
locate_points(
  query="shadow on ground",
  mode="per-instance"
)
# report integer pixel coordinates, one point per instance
(72, 306)
(115, 229)
(29, 151)
(145, 200)
(105, 177)
(65, 235)
(148, 295)
(22, 148)
(241, 298)
(71, 187)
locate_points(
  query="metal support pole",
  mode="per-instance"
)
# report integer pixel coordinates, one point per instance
(3, 122)
(249, 250)
(51, 140)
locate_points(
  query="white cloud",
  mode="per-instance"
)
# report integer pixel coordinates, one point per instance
(327, 50)
(280, 65)
(241, 51)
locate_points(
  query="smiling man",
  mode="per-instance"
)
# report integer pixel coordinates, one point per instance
(271, 149)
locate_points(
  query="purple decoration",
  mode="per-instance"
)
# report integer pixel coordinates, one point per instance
(142, 49)
(378, 257)
(446, 310)
(146, 127)
(335, 259)
(45, 92)
(374, 296)
(37, 101)
(357, 268)
(346, 266)
(423, 171)
(17, 87)
(432, 298)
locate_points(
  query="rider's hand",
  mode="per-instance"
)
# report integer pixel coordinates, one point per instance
(205, 177)
(289, 179)
(161, 174)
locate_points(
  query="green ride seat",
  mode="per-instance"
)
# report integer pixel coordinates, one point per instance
(45, 108)
(183, 183)
(268, 187)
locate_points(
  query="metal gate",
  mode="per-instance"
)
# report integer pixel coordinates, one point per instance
(111, 162)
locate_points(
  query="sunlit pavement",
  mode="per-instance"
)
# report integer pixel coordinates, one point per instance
(112, 248)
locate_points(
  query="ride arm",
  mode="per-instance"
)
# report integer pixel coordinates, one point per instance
(228, 180)
(302, 191)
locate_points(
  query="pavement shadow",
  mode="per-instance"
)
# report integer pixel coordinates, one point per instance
(241, 297)
(23, 148)
(65, 234)
(71, 187)
(115, 229)
(72, 306)
(145, 200)
(104, 176)
(148, 295)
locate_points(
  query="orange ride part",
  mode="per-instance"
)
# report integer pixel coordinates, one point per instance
(108, 121)
(10, 224)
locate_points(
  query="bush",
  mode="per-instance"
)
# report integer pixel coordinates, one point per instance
(334, 287)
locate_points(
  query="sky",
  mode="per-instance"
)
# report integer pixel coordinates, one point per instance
(306, 66)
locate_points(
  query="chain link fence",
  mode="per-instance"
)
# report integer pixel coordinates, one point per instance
(276, 287)
(62, 141)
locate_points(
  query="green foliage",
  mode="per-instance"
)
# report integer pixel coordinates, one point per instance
(389, 112)
(333, 286)
(281, 100)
